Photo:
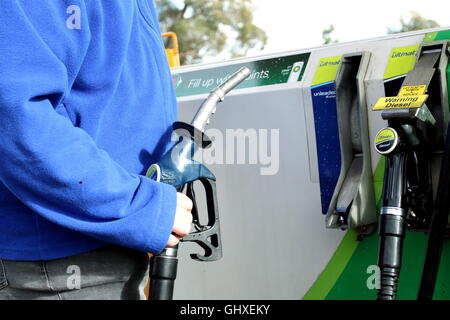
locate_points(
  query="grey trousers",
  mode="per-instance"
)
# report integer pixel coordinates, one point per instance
(108, 273)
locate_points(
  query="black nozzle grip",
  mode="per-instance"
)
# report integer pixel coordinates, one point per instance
(207, 236)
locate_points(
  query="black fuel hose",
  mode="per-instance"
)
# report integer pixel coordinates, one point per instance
(392, 225)
(438, 228)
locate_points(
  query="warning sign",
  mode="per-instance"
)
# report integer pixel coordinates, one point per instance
(406, 102)
(412, 90)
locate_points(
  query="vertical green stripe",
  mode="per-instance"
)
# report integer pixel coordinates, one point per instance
(333, 270)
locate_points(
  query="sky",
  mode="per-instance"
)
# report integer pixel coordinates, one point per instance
(296, 24)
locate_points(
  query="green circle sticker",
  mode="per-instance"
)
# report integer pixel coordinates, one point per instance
(386, 140)
(154, 172)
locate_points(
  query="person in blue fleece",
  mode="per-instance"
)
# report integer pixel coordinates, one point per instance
(86, 105)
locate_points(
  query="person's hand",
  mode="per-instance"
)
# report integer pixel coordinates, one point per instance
(183, 220)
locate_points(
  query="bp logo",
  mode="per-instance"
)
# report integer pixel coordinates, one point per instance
(386, 140)
(296, 69)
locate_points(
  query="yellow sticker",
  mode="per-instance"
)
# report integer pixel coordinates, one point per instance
(327, 70)
(407, 102)
(401, 61)
(384, 135)
(412, 90)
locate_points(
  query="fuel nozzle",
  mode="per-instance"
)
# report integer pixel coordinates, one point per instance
(404, 155)
(392, 221)
(178, 168)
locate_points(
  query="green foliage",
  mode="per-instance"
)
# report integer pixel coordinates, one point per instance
(204, 27)
(416, 22)
(326, 35)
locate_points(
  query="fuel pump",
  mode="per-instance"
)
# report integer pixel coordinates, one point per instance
(416, 128)
(178, 168)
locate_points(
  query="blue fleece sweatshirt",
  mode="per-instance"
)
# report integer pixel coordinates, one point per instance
(86, 105)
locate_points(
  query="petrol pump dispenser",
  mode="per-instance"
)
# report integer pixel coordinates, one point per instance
(353, 203)
(343, 145)
(417, 119)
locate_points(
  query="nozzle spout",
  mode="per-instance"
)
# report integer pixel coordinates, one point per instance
(208, 107)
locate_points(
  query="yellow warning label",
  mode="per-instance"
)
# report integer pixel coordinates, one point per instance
(385, 135)
(412, 90)
(407, 102)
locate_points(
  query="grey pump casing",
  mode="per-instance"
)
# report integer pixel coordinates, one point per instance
(354, 192)
(442, 112)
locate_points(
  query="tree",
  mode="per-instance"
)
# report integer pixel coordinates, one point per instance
(416, 22)
(326, 35)
(205, 27)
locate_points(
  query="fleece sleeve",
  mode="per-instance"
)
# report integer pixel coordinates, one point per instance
(51, 166)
